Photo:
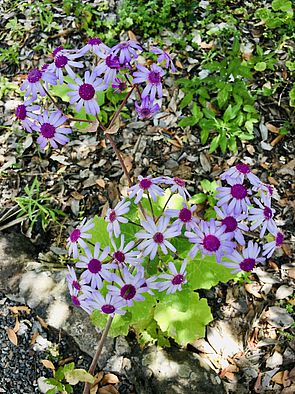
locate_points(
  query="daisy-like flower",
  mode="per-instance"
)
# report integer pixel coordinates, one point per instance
(173, 281)
(164, 57)
(32, 85)
(185, 217)
(96, 46)
(246, 261)
(129, 287)
(110, 67)
(24, 113)
(126, 50)
(264, 188)
(50, 130)
(210, 239)
(84, 93)
(95, 268)
(81, 300)
(124, 255)
(75, 284)
(156, 236)
(236, 196)
(152, 77)
(239, 173)
(114, 217)
(64, 61)
(147, 108)
(145, 185)
(77, 235)
(263, 216)
(233, 223)
(108, 305)
(177, 185)
(270, 247)
(119, 85)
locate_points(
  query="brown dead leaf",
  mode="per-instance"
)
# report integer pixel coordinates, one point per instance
(178, 64)
(131, 35)
(93, 389)
(206, 45)
(12, 336)
(272, 181)
(42, 322)
(277, 140)
(176, 143)
(247, 55)
(272, 128)
(16, 309)
(288, 390)
(109, 389)
(114, 128)
(127, 161)
(34, 337)
(92, 128)
(100, 182)
(16, 326)
(254, 289)
(48, 364)
(77, 195)
(110, 378)
(278, 377)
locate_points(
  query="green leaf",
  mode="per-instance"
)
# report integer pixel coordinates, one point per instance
(249, 108)
(198, 198)
(77, 375)
(99, 232)
(204, 135)
(229, 114)
(120, 324)
(223, 143)
(281, 5)
(261, 66)
(186, 100)
(61, 90)
(223, 95)
(197, 113)
(214, 144)
(100, 97)
(189, 121)
(208, 187)
(68, 367)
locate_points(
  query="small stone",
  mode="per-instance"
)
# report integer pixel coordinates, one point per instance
(275, 360)
(284, 292)
(171, 164)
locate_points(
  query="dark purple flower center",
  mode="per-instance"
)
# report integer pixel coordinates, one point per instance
(185, 215)
(230, 223)
(178, 279)
(247, 264)
(145, 112)
(58, 49)
(60, 61)
(179, 181)
(158, 238)
(279, 239)
(112, 61)
(119, 256)
(21, 112)
(128, 292)
(238, 191)
(108, 309)
(112, 216)
(44, 67)
(123, 45)
(34, 76)
(76, 285)
(211, 243)
(47, 130)
(243, 168)
(145, 183)
(267, 212)
(270, 189)
(94, 41)
(75, 235)
(94, 266)
(154, 77)
(86, 91)
(75, 300)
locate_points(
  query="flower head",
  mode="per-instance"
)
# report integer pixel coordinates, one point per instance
(33, 84)
(263, 216)
(177, 185)
(109, 67)
(239, 172)
(270, 247)
(96, 46)
(124, 255)
(77, 235)
(126, 50)
(164, 57)
(147, 108)
(64, 61)
(108, 305)
(145, 185)
(76, 285)
(24, 113)
(236, 196)
(175, 280)
(233, 223)
(114, 217)
(119, 85)
(185, 217)
(246, 261)
(152, 77)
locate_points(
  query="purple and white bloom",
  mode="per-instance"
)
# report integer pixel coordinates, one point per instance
(129, 287)
(246, 261)
(155, 236)
(108, 305)
(110, 67)
(270, 247)
(210, 239)
(83, 94)
(145, 185)
(239, 173)
(119, 85)
(147, 108)
(124, 255)
(81, 300)
(50, 130)
(177, 185)
(264, 188)
(263, 216)
(233, 223)
(152, 77)
(173, 281)
(64, 61)
(75, 284)
(32, 85)
(164, 57)
(236, 196)
(96, 46)
(150, 283)
(77, 235)
(185, 217)
(24, 113)
(115, 216)
(126, 50)
(96, 270)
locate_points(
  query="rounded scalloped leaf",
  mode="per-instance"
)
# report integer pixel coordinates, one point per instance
(99, 232)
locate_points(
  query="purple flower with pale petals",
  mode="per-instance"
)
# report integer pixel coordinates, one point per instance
(119, 85)
(32, 85)
(270, 247)
(175, 280)
(124, 255)
(84, 93)
(75, 284)
(125, 50)
(239, 173)
(233, 223)
(164, 57)
(236, 196)
(264, 188)
(50, 129)
(81, 300)
(114, 217)
(109, 67)
(77, 235)
(147, 108)
(96, 46)
(156, 236)
(177, 185)
(185, 217)
(108, 305)
(263, 216)
(64, 61)
(145, 185)
(210, 239)
(246, 261)
(24, 113)
(152, 77)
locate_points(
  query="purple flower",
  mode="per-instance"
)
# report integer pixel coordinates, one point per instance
(125, 50)
(77, 235)
(32, 85)
(119, 85)
(96, 46)
(64, 61)
(24, 113)
(177, 185)
(123, 255)
(114, 217)
(155, 236)
(152, 77)
(76, 285)
(164, 57)
(145, 185)
(108, 305)
(185, 217)
(81, 300)
(147, 108)
(264, 188)
(50, 130)
(263, 216)
(246, 261)
(269, 248)
(175, 280)
(235, 196)
(210, 239)
(109, 67)
(239, 173)
(84, 93)
(233, 223)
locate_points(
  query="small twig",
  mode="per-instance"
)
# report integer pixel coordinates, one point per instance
(151, 205)
(79, 120)
(120, 108)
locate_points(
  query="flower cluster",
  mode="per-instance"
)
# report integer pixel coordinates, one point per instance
(116, 68)
(113, 277)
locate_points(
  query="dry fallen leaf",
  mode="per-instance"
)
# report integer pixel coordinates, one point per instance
(17, 309)
(17, 325)
(100, 182)
(92, 128)
(254, 289)
(206, 45)
(131, 35)
(110, 378)
(109, 389)
(278, 377)
(272, 128)
(48, 364)
(34, 337)
(12, 336)
(42, 322)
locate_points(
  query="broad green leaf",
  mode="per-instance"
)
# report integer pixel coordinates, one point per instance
(189, 121)
(214, 144)
(198, 198)
(261, 66)
(281, 5)
(186, 100)
(204, 135)
(223, 95)
(61, 91)
(229, 114)
(196, 112)
(77, 375)
(99, 232)
(120, 324)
